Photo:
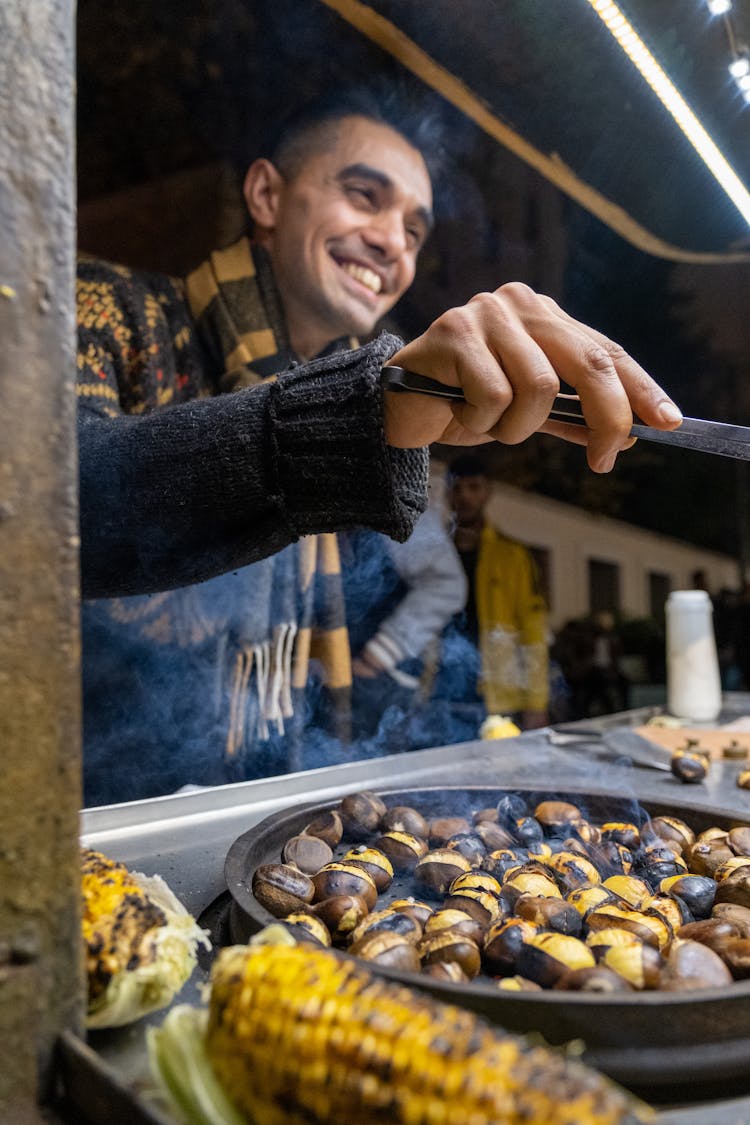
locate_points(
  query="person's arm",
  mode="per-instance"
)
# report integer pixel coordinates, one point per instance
(430, 567)
(184, 493)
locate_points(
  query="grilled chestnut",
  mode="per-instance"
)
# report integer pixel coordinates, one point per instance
(629, 889)
(443, 827)
(599, 941)
(403, 818)
(528, 832)
(704, 857)
(436, 871)
(639, 964)
(518, 984)
(735, 888)
(585, 899)
(573, 871)
(729, 866)
(419, 911)
(476, 881)
(743, 779)
(649, 928)
(713, 932)
(503, 942)
(622, 832)
(281, 888)
(671, 830)
(308, 927)
(387, 948)
(361, 813)
(735, 953)
(469, 844)
(557, 816)
(596, 979)
(344, 879)
(529, 883)
(403, 850)
(739, 840)
(696, 891)
(586, 832)
(493, 836)
(341, 915)
(389, 921)
(308, 853)
(450, 945)
(374, 862)
(672, 910)
(611, 858)
(459, 920)
(550, 914)
(328, 826)
(692, 965)
(481, 905)
(545, 957)
(688, 766)
(510, 807)
(739, 916)
(499, 862)
(484, 816)
(711, 835)
(446, 971)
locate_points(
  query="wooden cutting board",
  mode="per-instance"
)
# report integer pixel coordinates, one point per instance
(712, 739)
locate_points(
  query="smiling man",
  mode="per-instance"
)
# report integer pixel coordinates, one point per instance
(181, 481)
(343, 225)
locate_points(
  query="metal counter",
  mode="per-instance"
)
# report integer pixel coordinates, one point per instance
(185, 837)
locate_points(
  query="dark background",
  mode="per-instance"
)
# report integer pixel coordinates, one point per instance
(175, 99)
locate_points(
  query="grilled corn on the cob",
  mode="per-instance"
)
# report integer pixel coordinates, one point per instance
(139, 941)
(301, 1036)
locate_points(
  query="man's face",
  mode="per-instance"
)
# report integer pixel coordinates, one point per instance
(468, 498)
(350, 225)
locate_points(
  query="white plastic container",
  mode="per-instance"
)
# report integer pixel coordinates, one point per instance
(693, 682)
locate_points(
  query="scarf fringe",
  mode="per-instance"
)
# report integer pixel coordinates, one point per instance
(272, 684)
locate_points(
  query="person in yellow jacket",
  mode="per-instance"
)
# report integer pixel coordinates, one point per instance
(506, 615)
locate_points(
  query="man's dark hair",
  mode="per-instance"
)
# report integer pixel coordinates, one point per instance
(387, 101)
(467, 465)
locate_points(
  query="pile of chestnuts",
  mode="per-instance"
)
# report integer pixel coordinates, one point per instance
(527, 897)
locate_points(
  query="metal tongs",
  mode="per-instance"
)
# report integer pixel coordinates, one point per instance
(721, 438)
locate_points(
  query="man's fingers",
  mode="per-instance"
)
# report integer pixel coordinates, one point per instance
(648, 400)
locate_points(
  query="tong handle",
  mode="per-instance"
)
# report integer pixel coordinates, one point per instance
(565, 408)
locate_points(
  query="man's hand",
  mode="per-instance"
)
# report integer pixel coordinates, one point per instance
(508, 351)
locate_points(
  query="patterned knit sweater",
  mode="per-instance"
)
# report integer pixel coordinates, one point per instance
(173, 496)
(181, 482)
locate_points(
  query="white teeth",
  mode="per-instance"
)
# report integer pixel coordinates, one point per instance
(361, 273)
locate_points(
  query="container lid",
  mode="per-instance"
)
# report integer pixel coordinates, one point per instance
(689, 599)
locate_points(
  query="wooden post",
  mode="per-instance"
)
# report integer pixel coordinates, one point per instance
(40, 970)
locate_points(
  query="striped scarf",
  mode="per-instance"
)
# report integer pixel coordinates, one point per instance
(269, 620)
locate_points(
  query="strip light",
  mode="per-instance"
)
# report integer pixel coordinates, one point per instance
(644, 61)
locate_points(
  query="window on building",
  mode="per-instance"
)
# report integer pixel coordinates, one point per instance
(543, 559)
(604, 586)
(659, 586)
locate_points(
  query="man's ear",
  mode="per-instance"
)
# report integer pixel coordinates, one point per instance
(262, 191)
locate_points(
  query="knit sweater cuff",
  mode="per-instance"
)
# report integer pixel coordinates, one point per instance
(334, 468)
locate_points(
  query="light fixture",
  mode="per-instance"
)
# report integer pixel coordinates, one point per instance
(719, 7)
(744, 82)
(672, 100)
(739, 67)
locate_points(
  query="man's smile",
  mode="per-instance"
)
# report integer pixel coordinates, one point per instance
(363, 274)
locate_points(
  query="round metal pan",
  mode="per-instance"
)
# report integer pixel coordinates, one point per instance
(649, 1041)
